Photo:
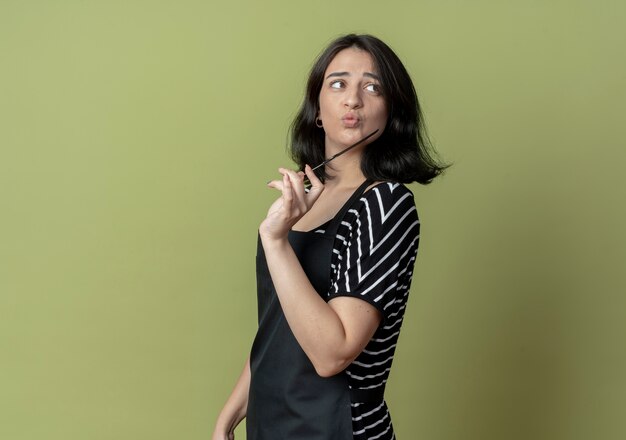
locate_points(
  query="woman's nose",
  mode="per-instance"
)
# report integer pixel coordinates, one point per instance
(352, 98)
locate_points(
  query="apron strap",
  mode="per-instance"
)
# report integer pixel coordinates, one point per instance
(332, 229)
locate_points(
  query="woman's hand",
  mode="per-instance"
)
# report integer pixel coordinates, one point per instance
(293, 203)
(221, 434)
(225, 426)
(235, 409)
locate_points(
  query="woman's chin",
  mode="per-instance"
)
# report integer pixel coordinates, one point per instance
(348, 135)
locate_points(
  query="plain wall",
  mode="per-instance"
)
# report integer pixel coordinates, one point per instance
(136, 138)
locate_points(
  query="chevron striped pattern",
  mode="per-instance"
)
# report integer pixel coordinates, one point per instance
(373, 258)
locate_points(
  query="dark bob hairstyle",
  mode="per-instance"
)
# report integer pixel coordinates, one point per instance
(403, 152)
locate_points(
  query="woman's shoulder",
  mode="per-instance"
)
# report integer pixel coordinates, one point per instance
(384, 208)
(386, 200)
(388, 192)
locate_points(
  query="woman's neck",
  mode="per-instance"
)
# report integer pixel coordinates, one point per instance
(345, 171)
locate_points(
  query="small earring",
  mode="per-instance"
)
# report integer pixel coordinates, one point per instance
(318, 123)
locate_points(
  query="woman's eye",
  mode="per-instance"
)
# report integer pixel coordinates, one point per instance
(374, 88)
(336, 84)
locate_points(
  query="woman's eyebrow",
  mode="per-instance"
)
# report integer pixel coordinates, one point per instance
(338, 74)
(368, 74)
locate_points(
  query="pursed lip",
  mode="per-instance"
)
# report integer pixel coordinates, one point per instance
(350, 120)
(350, 117)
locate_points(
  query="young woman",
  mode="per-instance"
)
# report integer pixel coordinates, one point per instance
(335, 262)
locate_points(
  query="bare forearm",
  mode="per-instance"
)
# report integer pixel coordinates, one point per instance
(331, 334)
(317, 327)
(235, 408)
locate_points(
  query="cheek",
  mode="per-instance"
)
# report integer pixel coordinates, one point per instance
(381, 113)
(322, 103)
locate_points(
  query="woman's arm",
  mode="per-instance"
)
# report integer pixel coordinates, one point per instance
(331, 334)
(235, 408)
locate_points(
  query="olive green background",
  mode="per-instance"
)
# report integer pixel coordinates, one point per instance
(135, 141)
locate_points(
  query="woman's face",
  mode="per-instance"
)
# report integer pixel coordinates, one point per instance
(350, 101)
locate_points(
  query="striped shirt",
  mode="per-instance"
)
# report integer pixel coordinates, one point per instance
(373, 258)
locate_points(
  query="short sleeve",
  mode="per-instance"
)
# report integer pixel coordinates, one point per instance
(377, 248)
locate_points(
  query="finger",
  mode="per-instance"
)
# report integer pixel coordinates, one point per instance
(287, 195)
(304, 181)
(315, 181)
(276, 184)
(295, 176)
(316, 184)
(297, 185)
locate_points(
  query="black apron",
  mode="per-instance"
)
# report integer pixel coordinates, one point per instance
(288, 400)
